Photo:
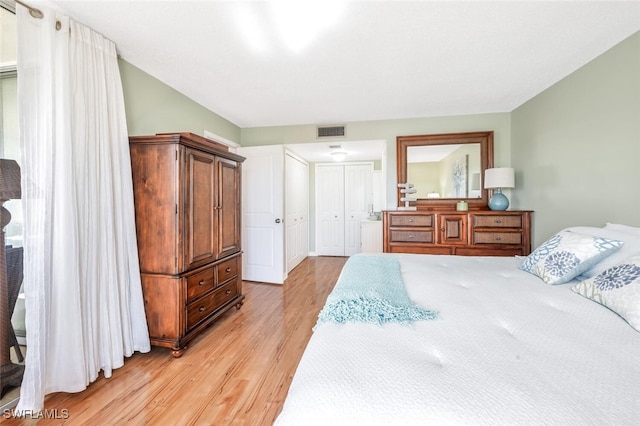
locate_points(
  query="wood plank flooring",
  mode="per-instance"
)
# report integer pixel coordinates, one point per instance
(236, 373)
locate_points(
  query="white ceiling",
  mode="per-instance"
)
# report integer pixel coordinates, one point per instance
(368, 60)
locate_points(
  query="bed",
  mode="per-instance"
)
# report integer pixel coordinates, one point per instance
(505, 347)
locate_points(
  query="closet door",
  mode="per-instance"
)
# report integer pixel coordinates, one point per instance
(296, 208)
(358, 194)
(330, 210)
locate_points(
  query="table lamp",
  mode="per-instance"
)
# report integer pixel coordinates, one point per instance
(498, 178)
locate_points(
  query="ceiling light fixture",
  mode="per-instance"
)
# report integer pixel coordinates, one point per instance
(338, 155)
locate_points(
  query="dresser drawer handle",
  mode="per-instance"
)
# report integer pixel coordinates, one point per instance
(498, 238)
(411, 236)
(498, 221)
(201, 283)
(228, 269)
(410, 220)
(201, 309)
(228, 292)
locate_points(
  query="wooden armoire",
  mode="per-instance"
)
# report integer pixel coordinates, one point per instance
(187, 202)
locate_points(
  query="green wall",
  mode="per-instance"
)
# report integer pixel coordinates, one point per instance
(576, 146)
(153, 107)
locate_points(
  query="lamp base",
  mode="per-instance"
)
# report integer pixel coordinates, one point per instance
(499, 201)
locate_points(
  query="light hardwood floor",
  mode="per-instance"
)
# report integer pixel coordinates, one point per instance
(236, 373)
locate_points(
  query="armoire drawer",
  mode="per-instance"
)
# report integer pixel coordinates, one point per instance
(202, 308)
(227, 270)
(200, 283)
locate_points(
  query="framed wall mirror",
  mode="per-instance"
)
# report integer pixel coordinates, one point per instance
(445, 168)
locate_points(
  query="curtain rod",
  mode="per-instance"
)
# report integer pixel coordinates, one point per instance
(36, 13)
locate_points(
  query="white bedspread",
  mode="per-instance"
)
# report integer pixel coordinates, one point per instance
(507, 349)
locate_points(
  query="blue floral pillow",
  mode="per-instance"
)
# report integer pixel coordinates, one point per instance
(568, 254)
(617, 288)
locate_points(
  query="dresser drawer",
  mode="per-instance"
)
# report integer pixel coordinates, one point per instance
(202, 308)
(198, 284)
(416, 236)
(411, 220)
(497, 238)
(227, 270)
(497, 221)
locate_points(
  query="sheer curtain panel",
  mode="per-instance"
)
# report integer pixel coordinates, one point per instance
(84, 305)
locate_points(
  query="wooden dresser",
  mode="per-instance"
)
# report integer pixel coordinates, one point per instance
(187, 201)
(472, 233)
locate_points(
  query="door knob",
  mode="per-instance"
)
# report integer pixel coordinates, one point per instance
(277, 220)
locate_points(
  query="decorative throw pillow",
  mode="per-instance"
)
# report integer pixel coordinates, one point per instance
(630, 248)
(617, 288)
(568, 254)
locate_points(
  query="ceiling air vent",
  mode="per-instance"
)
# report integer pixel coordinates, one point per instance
(330, 131)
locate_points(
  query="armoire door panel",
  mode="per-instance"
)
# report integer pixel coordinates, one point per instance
(200, 237)
(228, 203)
(155, 172)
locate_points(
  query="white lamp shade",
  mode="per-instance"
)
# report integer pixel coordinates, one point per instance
(500, 177)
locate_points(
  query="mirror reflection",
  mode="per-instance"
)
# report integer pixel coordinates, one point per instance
(445, 171)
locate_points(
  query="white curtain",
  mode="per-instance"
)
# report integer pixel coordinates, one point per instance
(84, 305)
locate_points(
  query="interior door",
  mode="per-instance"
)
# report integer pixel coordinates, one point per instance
(262, 214)
(296, 209)
(330, 210)
(358, 195)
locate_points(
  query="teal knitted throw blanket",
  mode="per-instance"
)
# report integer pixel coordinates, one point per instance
(370, 290)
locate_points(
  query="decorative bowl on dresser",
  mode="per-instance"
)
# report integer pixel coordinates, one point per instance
(187, 201)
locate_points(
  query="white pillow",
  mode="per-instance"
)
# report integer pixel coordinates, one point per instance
(630, 248)
(617, 288)
(568, 254)
(623, 228)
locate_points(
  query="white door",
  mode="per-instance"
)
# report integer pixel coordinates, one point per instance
(330, 210)
(262, 214)
(296, 209)
(343, 192)
(358, 194)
